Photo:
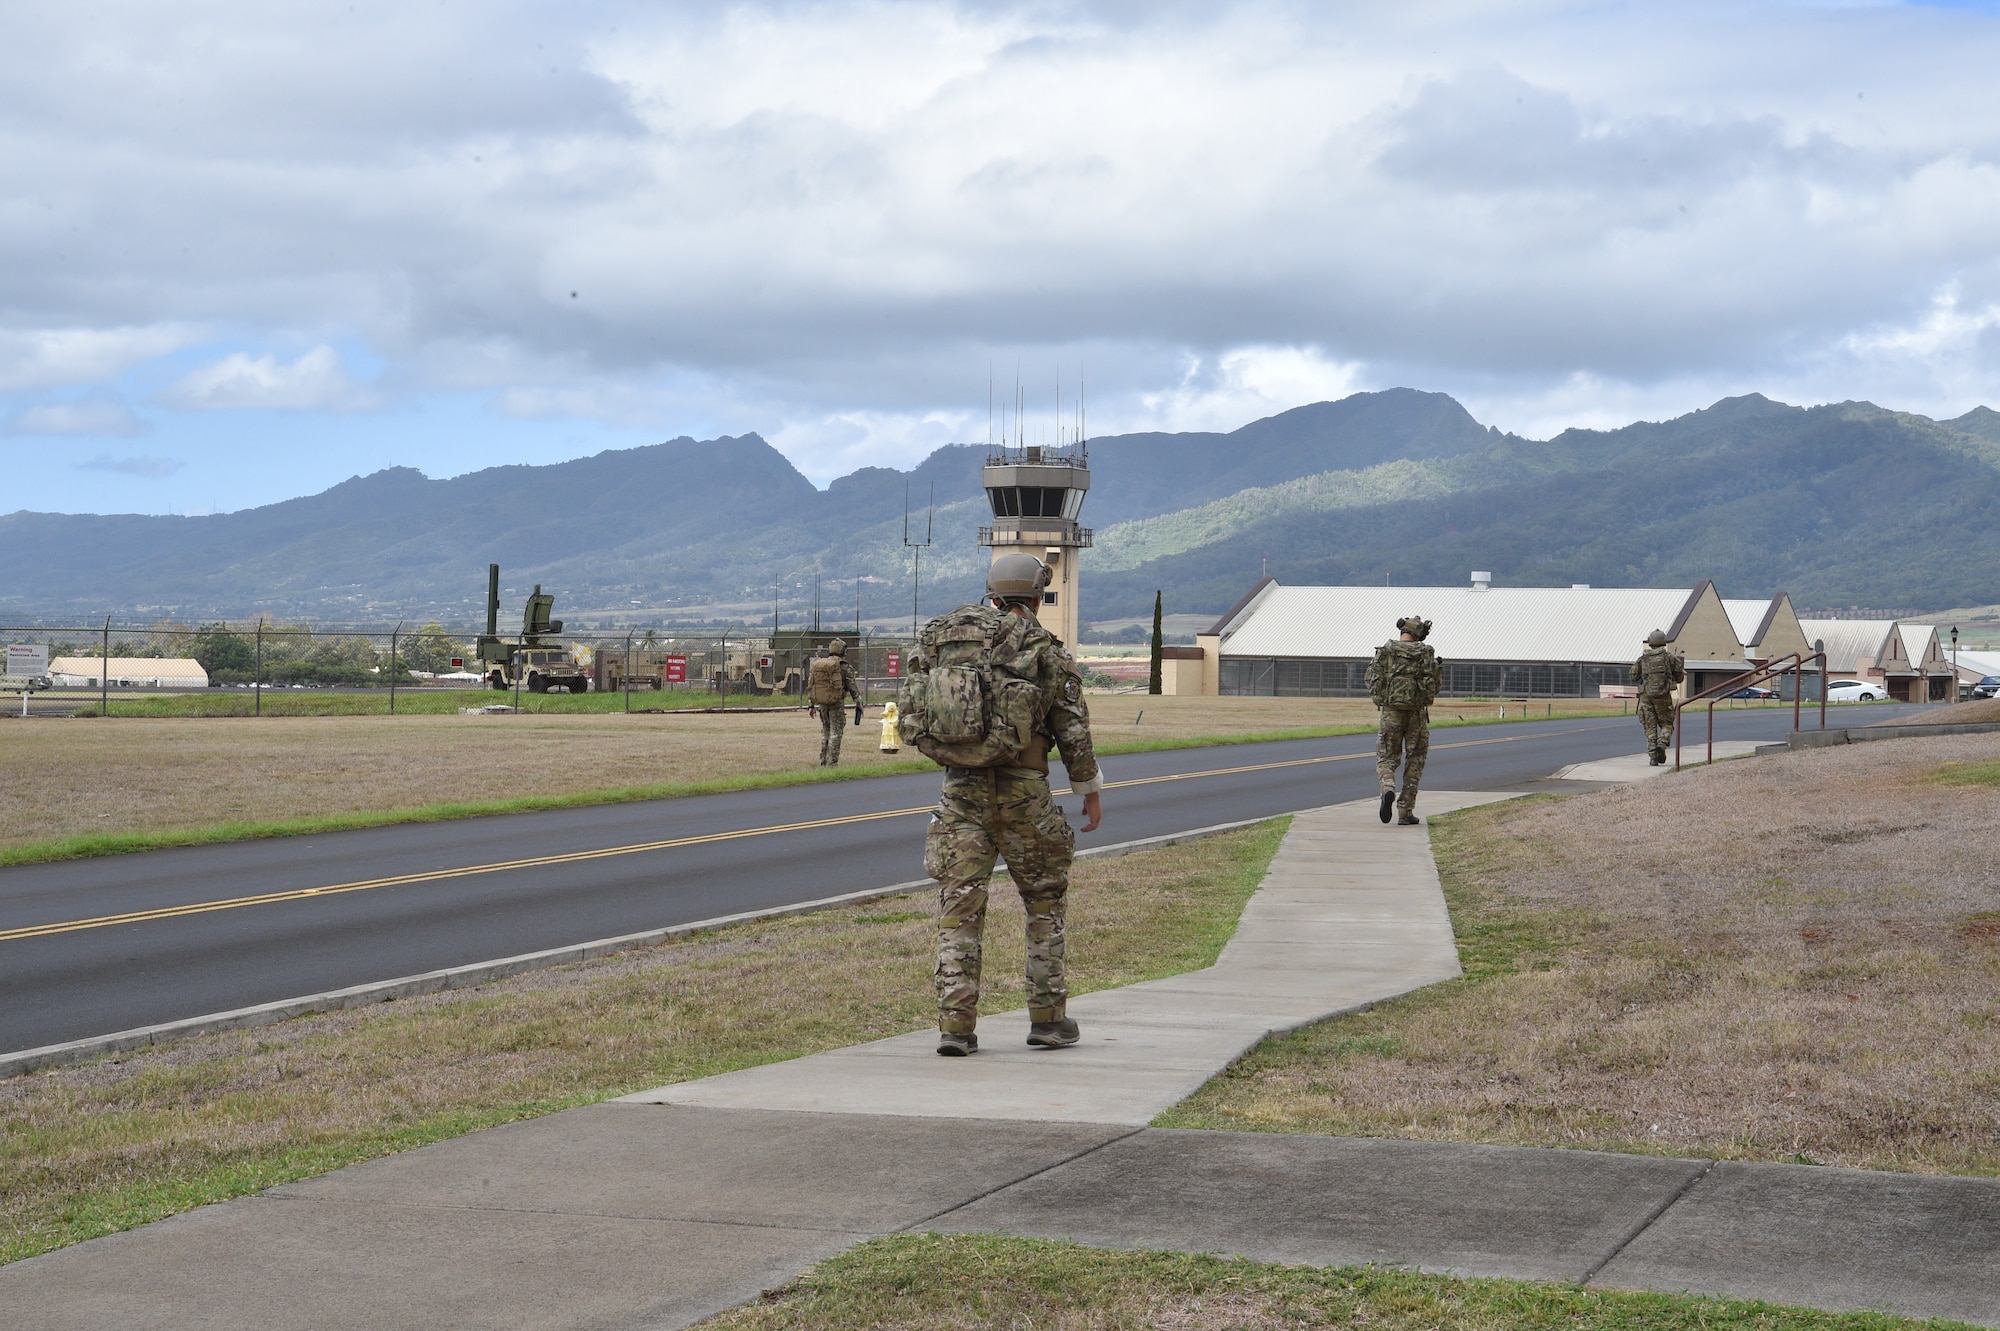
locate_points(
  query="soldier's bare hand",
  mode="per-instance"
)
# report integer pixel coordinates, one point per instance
(1093, 811)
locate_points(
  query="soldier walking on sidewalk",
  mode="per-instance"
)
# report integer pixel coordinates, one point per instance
(988, 691)
(1403, 681)
(1657, 672)
(830, 684)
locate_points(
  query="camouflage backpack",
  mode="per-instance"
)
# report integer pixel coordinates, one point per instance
(1397, 677)
(824, 685)
(969, 698)
(1656, 671)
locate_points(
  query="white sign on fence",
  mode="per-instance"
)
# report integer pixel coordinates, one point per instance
(26, 660)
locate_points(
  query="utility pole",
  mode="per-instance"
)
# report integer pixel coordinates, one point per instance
(393, 636)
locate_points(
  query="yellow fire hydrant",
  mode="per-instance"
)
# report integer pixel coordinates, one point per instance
(891, 741)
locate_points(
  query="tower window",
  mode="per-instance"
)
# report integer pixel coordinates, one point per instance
(1048, 598)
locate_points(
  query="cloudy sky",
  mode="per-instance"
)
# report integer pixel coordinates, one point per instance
(248, 251)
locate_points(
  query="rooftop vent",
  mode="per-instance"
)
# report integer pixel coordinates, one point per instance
(1481, 581)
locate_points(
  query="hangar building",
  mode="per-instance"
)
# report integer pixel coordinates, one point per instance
(1511, 642)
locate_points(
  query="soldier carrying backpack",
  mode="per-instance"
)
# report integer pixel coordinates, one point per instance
(1657, 672)
(988, 691)
(1404, 680)
(828, 684)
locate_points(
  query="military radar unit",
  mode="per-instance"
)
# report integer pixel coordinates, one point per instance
(535, 660)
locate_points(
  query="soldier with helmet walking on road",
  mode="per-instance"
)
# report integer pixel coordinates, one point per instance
(1657, 672)
(987, 692)
(1403, 681)
(829, 684)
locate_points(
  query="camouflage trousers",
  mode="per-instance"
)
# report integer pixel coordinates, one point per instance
(1656, 714)
(1405, 738)
(986, 813)
(832, 725)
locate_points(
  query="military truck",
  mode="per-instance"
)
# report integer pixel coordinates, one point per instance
(535, 659)
(777, 664)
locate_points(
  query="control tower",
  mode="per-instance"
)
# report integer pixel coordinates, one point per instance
(1036, 494)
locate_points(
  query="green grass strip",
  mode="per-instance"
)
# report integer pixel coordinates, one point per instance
(977, 1282)
(1967, 774)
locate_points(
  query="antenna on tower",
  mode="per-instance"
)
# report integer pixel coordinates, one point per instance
(1082, 415)
(917, 549)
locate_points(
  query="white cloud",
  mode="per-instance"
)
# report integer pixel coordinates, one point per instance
(89, 416)
(316, 381)
(51, 357)
(823, 221)
(148, 468)
(1243, 384)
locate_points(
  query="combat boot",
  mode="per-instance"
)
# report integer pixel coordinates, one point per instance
(1388, 803)
(957, 1044)
(1053, 1034)
(1408, 820)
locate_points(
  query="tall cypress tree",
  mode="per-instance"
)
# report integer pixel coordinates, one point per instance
(1159, 649)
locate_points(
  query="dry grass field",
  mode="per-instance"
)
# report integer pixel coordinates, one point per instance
(134, 776)
(149, 775)
(1792, 958)
(88, 1150)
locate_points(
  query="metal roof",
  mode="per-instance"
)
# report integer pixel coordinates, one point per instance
(133, 667)
(1848, 640)
(1597, 624)
(1986, 663)
(1917, 639)
(1746, 617)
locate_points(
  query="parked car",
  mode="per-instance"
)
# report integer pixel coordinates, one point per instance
(1752, 691)
(1854, 690)
(1987, 688)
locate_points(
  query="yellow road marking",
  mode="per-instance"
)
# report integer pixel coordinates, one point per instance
(578, 856)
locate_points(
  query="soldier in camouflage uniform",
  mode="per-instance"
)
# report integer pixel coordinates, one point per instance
(1656, 672)
(1403, 681)
(829, 695)
(1008, 811)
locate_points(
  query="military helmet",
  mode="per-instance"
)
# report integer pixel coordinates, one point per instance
(1017, 577)
(1415, 625)
(1657, 638)
(838, 647)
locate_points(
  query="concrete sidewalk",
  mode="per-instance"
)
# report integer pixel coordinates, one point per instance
(631, 1215)
(1349, 914)
(1636, 767)
(667, 1207)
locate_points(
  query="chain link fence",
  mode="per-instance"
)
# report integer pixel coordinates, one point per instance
(284, 669)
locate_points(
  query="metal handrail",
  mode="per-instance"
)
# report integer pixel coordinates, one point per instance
(1793, 665)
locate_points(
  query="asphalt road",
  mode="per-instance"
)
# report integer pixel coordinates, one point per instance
(89, 947)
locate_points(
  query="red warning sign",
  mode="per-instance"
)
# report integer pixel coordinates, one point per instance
(892, 664)
(676, 667)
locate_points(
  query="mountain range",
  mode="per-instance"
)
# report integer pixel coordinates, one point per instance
(1842, 505)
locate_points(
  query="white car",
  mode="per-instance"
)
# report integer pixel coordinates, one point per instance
(1854, 690)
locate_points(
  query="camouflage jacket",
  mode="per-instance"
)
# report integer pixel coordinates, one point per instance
(1657, 671)
(1406, 668)
(1065, 717)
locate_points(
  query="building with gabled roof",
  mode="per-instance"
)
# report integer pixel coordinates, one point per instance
(127, 672)
(1904, 657)
(1769, 630)
(1510, 642)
